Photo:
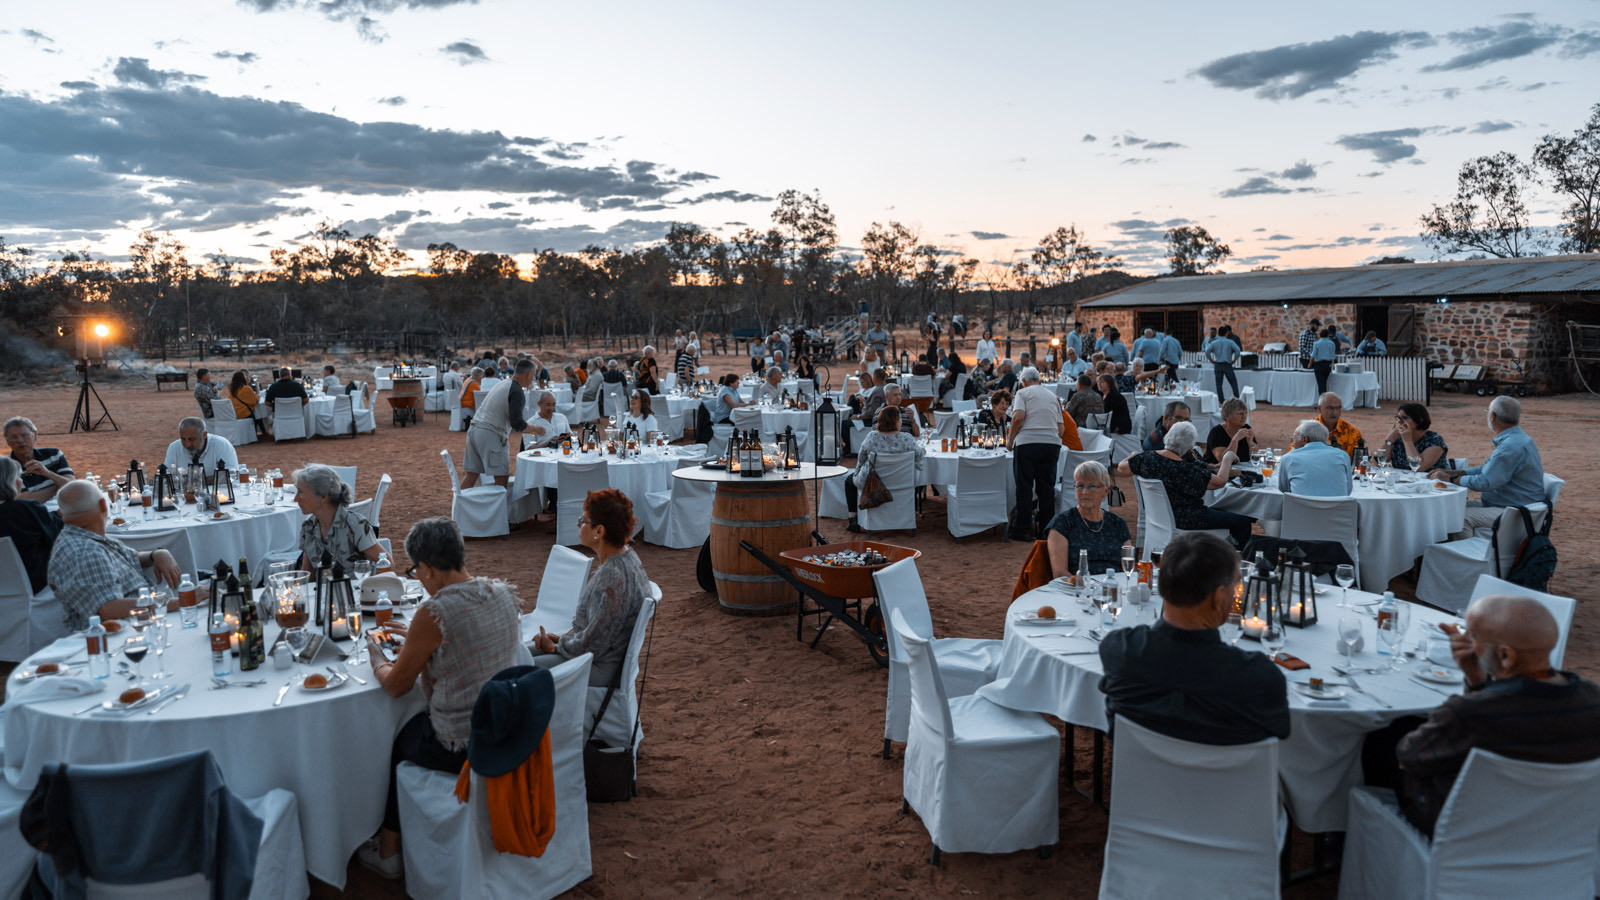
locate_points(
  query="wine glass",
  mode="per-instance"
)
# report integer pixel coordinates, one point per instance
(1346, 576)
(1273, 639)
(1128, 561)
(354, 618)
(1349, 634)
(158, 618)
(135, 648)
(1232, 629)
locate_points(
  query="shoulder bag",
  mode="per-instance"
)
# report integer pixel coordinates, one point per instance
(608, 772)
(874, 493)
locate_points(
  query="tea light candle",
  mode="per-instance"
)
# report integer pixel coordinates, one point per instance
(338, 629)
(1254, 625)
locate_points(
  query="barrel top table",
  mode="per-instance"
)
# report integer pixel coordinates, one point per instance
(773, 514)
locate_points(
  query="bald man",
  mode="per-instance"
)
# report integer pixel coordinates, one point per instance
(1515, 705)
(92, 573)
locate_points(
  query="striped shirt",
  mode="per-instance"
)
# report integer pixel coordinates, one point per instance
(51, 459)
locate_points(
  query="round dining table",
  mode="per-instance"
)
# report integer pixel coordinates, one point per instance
(1055, 669)
(330, 748)
(1396, 525)
(253, 527)
(650, 471)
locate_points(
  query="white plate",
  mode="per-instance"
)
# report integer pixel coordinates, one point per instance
(333, 682)
(31, 672)
(1311, 693)
(1437, 674)
(1032, 618)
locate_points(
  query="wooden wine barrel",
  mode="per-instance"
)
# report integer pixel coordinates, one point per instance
(773, 517)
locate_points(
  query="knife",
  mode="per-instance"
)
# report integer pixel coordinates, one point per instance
(281, 691)
(174, 698)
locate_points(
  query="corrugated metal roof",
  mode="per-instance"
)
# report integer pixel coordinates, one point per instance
(1538, 275)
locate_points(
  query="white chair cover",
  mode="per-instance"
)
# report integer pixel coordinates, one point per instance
(28, 621)
(1324, 519)
(946, 424)
(977, 501)
(965, 664)
(615, 397)
(833, 504)
(745, 418)
(337, 419)
(1156, 513)
(362, 508)
(449, 847)
(1125, 445)
(1562, 608)
(958, 392)
(16, 856)
(899, 474)
(480, 510)
(617, 726)
(721, 433)
(565, 572)
(453, 403)
(1248, 395)
(919, 386)
(680, 518)
(667, 380)
(574, 481)
(1191, 820)
(377, 499)
(347, 474)
(224, 422)
(1552, 488)
(175, 541)
(1508, 829)
(982, 777)
(288, 419)
(1450, 570)
(362, 418)
(1097, 421)
(962, 406)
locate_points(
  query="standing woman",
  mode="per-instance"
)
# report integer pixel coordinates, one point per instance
(245, 400)
(644, 374)
(329, 525)
(986, 347)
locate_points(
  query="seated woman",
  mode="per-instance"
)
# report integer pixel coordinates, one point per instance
(644, 373)
(1187, 482)
(886, 437)
(727, 399)
(31, 527)
(640, 415)
(245, 400)
(469, 394)
(465, 633)
(1232, 435)
(329, 525)
(1117, 405)
(998, 415)
(1087, 526)
(1411, 444)
(805, 369)
(611, 597)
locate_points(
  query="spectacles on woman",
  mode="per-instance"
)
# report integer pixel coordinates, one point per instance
(1086, 487)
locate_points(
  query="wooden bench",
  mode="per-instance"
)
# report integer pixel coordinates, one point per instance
(172, 378)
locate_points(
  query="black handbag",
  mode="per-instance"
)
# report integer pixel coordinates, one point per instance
(1115, 496)
(608, 772)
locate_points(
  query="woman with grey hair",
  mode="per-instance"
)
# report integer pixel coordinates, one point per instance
(1187, 481)
(1087, 526)
(329, 525)
(31, 528)
(456, 642)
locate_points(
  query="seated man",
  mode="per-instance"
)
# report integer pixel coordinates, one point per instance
(93, 574)
(205, 391)
(1008, 377)
(194, 447)
(44, 469)
(1513, 475)
(1341, 434)
(1176, 411)
(1314, 467)
(285, 387)
(922, 366)
(1086, 401)
(1072, 367)
(1515, 705)
(547, 428)
(772, 388)
(1177, 676)
(330, 381)
(1371, 346)
(909, 420)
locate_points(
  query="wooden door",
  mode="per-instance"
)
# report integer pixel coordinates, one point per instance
(1402, 330)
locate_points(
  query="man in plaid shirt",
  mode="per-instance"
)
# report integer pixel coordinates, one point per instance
(1308, 340)
(91, 573)
(1515, 705)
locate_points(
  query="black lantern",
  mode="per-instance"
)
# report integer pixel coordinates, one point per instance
(1263, 598)
(341, 602)
(134, 482)
(791, 448)
(219, 581)
(234, 598)
(825, 433)
(222, 485)
(319, 575)
(1299, 589)
(166, 493)
(963, 437)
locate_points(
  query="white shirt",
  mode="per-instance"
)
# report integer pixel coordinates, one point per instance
(645, 425)
(555, 428)
(453, 382)
(216, 447)
(331, 385)
(987, 350)
(1043, 422)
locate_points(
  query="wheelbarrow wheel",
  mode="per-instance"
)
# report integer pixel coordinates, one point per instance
(878, 644)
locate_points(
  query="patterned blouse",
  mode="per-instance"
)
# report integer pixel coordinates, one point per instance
(1186, 484)
(478, 628)
(1397, 449)
(607, 608)
(347, 539)
(1103, 539)
(877, 442)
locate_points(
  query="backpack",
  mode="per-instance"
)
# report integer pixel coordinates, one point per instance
(1536, 558)
(702, 425)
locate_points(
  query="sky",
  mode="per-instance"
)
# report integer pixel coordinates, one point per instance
(1308, 135)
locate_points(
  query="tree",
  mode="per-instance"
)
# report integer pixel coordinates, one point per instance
(689, 248)
(1064, 256)
(1193, 251)
(1571, 166)
(810, 238)
(1489, 213)
(888, 259)
(1392, 261)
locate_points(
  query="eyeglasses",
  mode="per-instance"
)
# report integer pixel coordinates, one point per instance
(411, 570)
(583, 522)
(1087, 487)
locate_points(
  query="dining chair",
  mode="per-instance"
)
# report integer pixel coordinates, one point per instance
(1451, 569)
(977, 501)
(1562, 608)
(28, 621)
(288, 419)
(1160, 526)
(565, 573)
(480, 510)
(1324, 519)
(899, 474)
(574, 481)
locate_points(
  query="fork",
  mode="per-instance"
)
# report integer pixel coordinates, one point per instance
(1361, 690)
(345, 671)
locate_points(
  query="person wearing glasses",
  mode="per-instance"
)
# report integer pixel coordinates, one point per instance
(1087, 526)
(1411, 444)
(640, 415)
(612, 596)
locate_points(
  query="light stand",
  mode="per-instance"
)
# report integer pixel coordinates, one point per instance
(83, 417)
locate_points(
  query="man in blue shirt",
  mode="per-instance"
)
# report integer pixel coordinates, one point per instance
(1148, 348)
(1371, 346)
(1223, 354)
(1513, 475)
(1075, 339)
(1323, 354)
(1104, 340)
(1314, 468)
(1171, 355)
(1116, 350)
(1205, 342)
(1073, 366)
(1176, 411)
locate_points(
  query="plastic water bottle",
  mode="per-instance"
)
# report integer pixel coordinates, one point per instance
(221, 647)
(1387, 634)
(99, 654)
(383, 610)
(385, 567)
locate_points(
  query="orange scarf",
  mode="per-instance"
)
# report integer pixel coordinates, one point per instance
(522, 802)
(1069, 435)
(1035, 570)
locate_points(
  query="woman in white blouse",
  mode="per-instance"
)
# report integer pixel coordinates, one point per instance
(639, 414)
(986, 347)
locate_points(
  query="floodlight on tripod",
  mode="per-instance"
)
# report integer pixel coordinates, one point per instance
(90, 345)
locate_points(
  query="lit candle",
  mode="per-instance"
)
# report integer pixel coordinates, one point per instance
(338, 629)
(1254, 625)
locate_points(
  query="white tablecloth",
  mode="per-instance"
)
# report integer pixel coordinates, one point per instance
(251, 530)
(1286, 387)
(331, 749)
(384, 377)
(1201, 404)
(747, 389)
(1394, 529)
(635, 477)
(1320, 761)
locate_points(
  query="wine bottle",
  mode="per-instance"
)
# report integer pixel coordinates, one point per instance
(252, 641)
(244, 573)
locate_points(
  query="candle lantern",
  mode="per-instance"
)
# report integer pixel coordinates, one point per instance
(219, 581)
(825, 433)
(234, 598)
(1263, 596)
(135, 478)
(319, 578)
(340, 600)
(166, 492)
(222, 485)
(1299, 589)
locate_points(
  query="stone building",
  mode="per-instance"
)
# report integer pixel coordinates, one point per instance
(1500, 313)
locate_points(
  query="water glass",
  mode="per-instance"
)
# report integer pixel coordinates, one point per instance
(1346, 576)
(1232, 629)
(1349, 635)
(1273, 639)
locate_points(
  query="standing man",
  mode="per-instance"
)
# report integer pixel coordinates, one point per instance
(1513, 475)
(1308, 339)
(878, 338)
(204, 392)
(1075, 339)
(1205, 343)
(1323, 354)
(1171, 356)
(1035, 440)
(1104, 340)
(44, 469)
(1223, 354)
(489, 435)
(1148, 349)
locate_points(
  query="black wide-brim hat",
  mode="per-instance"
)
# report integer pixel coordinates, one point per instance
(509, 719)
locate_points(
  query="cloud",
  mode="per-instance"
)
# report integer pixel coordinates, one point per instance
(1385, 146)
(1132, 140)
(1513, 40)
(1277, 237)
(136, 70)
(465, 52)
(514, 235)
(1089, 139)
(1300, 171)
(245, 58)
(396, 100)
(1294, 70)
(727, 196)
(38, 37)
(79, 85)
(1346, 241)
(362, 12)
(499, 204)
(1491, 127)
(1254, 186)
(1138, 160)
(989, 235)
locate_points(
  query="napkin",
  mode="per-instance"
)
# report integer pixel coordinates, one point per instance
(1341, 703)
(56, 687)
(60, 650)
(1292, 663)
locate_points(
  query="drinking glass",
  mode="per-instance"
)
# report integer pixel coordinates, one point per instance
(135, 648)
(1349, 634)
(1232, 629)
(1395, 635)
(354, 618)
(1273, 638)
(1346, 576)
(297, 638)
(158, 618)
(1128, 560)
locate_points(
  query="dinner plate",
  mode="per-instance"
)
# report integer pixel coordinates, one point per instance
(1032, 618)
(116, 705)
(29, 673)
(1325, 693)
(1437, 674)
(334, 681)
